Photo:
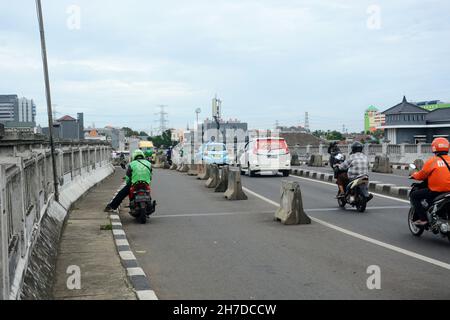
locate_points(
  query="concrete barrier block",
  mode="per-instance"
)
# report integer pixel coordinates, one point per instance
(382, 165)
(234, 190)
(315, 161)
(314, 175)
(203, 172)
(291, 205)
(193, 170)
(173, 166)
(222, 186)
(214, 178)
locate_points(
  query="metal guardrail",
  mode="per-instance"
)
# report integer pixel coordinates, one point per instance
(26, 189)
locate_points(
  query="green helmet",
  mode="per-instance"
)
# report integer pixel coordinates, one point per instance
(148, 153)
(138, 153)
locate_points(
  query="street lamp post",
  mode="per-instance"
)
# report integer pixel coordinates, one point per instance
(48, 96)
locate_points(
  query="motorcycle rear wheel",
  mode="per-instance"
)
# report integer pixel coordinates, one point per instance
(415, 230)
(361, 206)
(142, 213)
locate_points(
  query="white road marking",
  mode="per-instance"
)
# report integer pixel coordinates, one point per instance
(333, 184)
(116, 224)
(362, 237)
(114, 217)
(127, 255)
(146, 295)
(135, 272)
(118, 232)
(122, 242)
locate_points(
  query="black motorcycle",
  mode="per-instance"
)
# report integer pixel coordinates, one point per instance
(356, 193)
(438, 213)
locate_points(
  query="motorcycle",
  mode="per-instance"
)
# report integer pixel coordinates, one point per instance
(438, 213)
(356, 193)
(141, 204)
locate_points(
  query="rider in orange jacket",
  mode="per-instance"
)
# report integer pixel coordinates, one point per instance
(437, 172)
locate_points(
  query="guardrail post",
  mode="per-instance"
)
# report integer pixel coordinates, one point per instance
(95, 158)
(72, 163)
(419, 149)
(88, 150)
(384, 149)
(4, 266)
(402, 150)
(81, 159)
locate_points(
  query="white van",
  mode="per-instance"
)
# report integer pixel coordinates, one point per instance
(266, 155)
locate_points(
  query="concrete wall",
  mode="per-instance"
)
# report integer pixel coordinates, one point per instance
(31, 219)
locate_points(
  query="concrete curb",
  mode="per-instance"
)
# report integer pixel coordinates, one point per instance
(136, 275)
(374, 186)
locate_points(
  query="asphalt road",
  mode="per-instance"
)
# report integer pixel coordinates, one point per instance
(399, 177)
(201, 246)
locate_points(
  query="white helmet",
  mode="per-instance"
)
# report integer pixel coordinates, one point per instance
(339, 157)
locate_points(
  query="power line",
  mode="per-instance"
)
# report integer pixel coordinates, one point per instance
(162, 119)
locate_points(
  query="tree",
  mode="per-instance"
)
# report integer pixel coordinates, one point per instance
(130, 132)
(162, 140)
(143, 134)
(334, 135)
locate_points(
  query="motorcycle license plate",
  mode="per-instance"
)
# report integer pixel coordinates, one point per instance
(141, 198)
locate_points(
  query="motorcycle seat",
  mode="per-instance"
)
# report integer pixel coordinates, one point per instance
(442, 196)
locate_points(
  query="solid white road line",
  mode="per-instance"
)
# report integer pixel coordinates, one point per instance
(362, 237)
(187, 215)
(333, 184)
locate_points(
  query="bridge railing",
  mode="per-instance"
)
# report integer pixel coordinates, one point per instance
(398, 153)
(26, 188)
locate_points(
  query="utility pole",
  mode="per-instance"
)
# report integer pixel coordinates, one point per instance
(48, 96)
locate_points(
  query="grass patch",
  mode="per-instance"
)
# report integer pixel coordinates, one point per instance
(106, 227)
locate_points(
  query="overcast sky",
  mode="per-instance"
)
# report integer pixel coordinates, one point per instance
(267, 60)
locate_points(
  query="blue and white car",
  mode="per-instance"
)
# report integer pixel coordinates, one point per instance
(213, 153)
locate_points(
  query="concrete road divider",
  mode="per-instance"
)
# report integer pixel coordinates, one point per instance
(400, 192)
(373, 184)
(166, 165)
(234, 190)
(193, 170)
(184, 168)
(214, 178)
(315, 161)
(203, 173)
(291, 205)
(222, 186)
(382, 165)
(384, 188)
(173, 166)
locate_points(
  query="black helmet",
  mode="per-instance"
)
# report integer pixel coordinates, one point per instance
(357, 147)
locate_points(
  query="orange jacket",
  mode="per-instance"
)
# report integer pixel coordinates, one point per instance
(437, 174)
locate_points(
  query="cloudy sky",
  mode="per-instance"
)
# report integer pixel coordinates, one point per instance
(267, 60)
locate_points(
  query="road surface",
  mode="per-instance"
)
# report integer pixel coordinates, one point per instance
(201, 246)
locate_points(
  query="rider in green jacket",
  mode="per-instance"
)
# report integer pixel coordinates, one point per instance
(139, 169)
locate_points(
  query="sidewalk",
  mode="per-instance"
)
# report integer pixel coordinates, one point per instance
(93, 250)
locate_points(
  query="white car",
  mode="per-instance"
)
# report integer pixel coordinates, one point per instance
(266, 155)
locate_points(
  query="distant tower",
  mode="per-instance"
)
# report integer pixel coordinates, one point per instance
(216, 107)
(277, 124)
(162, 119)
(307, 121)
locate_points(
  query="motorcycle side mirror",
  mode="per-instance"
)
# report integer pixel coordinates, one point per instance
(412, 166)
